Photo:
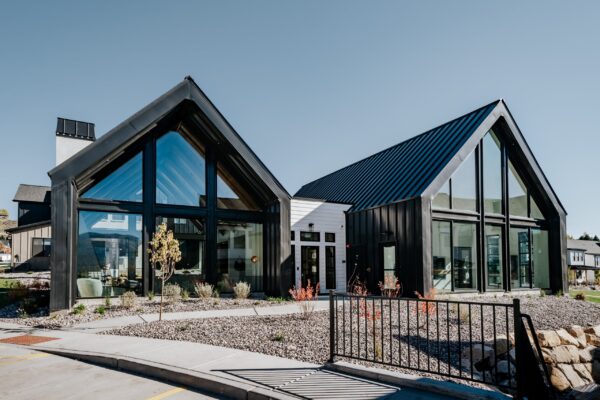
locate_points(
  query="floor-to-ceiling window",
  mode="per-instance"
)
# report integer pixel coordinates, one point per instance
(487, 223)
(172, 180)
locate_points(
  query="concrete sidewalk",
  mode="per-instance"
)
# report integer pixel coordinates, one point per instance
(119, 322)
(238, 374)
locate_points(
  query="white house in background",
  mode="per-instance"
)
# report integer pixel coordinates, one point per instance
(584, 260)
(319, 243)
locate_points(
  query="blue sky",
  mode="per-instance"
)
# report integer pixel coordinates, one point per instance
(311, 85)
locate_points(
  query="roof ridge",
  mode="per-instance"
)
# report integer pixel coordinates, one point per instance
(412, 138)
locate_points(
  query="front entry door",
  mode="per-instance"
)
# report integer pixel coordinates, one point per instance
(310, 265)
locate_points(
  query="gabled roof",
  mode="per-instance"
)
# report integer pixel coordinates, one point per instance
(144, 120)
(33, 194)
(400, 172)
(588, 246)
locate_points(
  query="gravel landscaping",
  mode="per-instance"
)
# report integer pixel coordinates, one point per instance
(439, 342)
(91, 312)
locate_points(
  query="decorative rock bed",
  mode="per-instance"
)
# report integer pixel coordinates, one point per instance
(572, 356)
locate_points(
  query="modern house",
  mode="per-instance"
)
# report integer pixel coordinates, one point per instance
(31, 238)
(584, 261)
(462, 208)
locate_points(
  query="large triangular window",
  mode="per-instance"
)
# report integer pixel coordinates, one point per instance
(123, 184)
(180, 171)
(521, 202)
(460, 192)
(230, 194)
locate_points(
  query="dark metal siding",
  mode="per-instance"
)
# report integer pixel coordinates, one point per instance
(400, 172)
(398, 223)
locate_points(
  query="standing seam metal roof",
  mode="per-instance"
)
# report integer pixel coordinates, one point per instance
(400, 172)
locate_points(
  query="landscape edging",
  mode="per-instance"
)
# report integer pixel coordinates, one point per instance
(193, 379)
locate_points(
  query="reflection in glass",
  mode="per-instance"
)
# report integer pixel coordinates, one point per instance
(442, 198)
(123, 184)
(517, 193)
(464, 255)
(493, 256)
(389, 266)
(230, 194)
(492, 174)
(539, 258)
(535, 210)
(330, 267)
(109, 254)
(519, 257)
(180, 172)
(464, 190)
(239, 254)
(190, 232)
(442, 266)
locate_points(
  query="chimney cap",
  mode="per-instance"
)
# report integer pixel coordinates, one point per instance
(75, 129)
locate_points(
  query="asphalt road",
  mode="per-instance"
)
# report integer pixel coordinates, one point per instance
(29, 375)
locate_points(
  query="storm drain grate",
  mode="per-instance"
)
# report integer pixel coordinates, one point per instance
(27, 340)
(314, 383)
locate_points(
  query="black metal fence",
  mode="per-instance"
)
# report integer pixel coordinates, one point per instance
(465, 340)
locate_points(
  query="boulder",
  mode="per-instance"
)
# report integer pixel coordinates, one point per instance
(548, 356)
(566, 338)
(594, 330)
(503, 344)
(586, 355)
(564, 354)
(559, 380)
(573, 377)
(577, 332)
(505, 368)
(548, 338)
(592, 339)
(482, 358)
(584, 374)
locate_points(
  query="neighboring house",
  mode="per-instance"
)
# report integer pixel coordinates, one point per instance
(319, 243)
(5, 252)
(461, 208)
(583, 260)
(31, 238)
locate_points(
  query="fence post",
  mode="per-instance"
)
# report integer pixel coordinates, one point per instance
(519, 349)
(331, 325)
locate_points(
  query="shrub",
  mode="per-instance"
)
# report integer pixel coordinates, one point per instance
(100, 310)
(276, 299)
(241, 290)
(203, 290)
(151, 295)
(79, 309)
(390, 287)
(278, 337)
(107, 302)
(128, 300)
(426, 308)
(172, 293)
(185, 295)
(305, 298)
(580, 296)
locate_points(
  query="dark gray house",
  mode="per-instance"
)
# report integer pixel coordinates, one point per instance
(176, 161)
(464, 207)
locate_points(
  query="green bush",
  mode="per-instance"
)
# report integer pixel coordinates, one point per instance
(151, 295)
(78, 309)
(185, 295)
(100, 310)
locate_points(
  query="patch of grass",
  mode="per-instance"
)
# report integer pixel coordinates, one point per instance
(151, 295)
(277, 299)
(593, 296)
(78, 309)
(278, 337)
(100, 310)
(182, 328)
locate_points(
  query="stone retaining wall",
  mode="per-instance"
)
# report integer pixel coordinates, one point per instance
(572, 355)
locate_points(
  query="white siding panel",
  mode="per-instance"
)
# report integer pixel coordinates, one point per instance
(325, 217)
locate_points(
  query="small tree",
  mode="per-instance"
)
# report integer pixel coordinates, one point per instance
(164, 254)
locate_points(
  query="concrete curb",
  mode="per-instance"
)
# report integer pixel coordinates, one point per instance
(450, 389)
(213, 384)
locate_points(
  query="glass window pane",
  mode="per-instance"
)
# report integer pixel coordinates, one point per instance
(493, 256)
(442, 266)
(329, 237)
(464, 191)
(535, 210)
(109, 254)
(517, 193)
(191, 234)
(442, 198)
(124, 184)
(310, 236)
(239, 255)
(389, 266)
(492, 174)
(464, 255)
(330, 267)
(231, 195)
(519, 257)
(180, 172)
(539, 259)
